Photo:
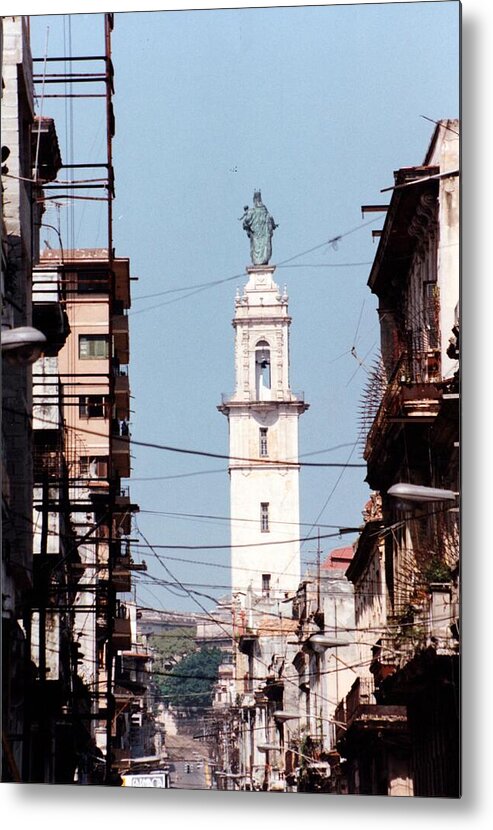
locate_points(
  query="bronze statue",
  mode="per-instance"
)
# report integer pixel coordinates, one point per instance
(260, 226)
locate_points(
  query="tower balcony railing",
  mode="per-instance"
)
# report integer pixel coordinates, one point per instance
(250, 397)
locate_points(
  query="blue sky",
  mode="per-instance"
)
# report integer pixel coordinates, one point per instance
(317, 106)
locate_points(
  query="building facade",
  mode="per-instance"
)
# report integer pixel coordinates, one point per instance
(412, 445)
(73, 675)
(30, 159)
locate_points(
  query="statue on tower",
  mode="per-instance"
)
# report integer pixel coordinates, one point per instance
(260, 226)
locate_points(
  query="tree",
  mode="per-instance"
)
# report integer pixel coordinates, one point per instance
(190, 683)
(172, 645)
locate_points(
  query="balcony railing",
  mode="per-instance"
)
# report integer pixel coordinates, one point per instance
(413, 379)
(120, 454)
(360, 694)
(121, 575)
(120, 337)
(340, 718)
(298, 396)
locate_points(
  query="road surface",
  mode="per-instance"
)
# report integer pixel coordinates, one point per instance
(190, 774)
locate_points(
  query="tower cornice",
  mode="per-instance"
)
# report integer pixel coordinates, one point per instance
(256, 320)
(250, 407)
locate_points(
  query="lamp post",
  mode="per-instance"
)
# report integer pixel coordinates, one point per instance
(22, 346)
(282, 715)
(321, 642)
(420, 493)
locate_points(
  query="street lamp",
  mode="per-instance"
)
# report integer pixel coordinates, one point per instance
(321, 642)
(419, 493)
(23, 345)
(283, 715)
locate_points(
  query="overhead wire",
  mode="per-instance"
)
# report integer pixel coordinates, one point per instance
(378, 630)
(199, 287)
(229, 518)
(211, 283)
(193, 596)
(225, 469)
(182, 450)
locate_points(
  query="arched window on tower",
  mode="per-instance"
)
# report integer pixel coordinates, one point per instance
(262, 371)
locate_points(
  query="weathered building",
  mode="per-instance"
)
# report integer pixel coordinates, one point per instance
(66, 448)
(373, 739)
(324, 660)
(412, 453)
(266, 685)
(82, 405)
(30, 159)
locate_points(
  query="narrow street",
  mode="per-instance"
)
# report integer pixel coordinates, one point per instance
(192, 774)
(188, 764)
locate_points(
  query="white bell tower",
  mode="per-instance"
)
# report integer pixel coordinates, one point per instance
(263, 445)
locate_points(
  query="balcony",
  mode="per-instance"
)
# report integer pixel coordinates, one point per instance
(339, 720)
(45, 147)
(121, 575)
(122, 280)
(51, 319)
(284, 396)
(47, 463)
(48, 458)
(412, 397)
(123, 513)
(120, 337)
(122, 396)
(247, 639)
(360, 695)
(120, 454)
(363, 715)
(122, 634)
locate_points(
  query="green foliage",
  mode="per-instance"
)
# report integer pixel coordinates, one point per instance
(175, 643)
(437, 571)
(191, 681)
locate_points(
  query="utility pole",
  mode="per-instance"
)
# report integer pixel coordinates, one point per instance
(42, 601)
(111, 610)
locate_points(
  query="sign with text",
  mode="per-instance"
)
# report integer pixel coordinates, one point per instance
(151, 779)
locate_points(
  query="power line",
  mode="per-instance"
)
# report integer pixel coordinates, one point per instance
(248, 544)
(168, 448)
(231, 518)
(209, 616)
(225, 469)
(238, 276)
(441, 124)
(198, 287)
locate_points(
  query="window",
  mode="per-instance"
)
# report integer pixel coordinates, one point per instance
(263, 442)
(262, 370)
(264, 517)
(93, 406)
(93, 466)
(266, 585)
(93, 346)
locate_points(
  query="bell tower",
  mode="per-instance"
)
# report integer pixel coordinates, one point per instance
(263, 417)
